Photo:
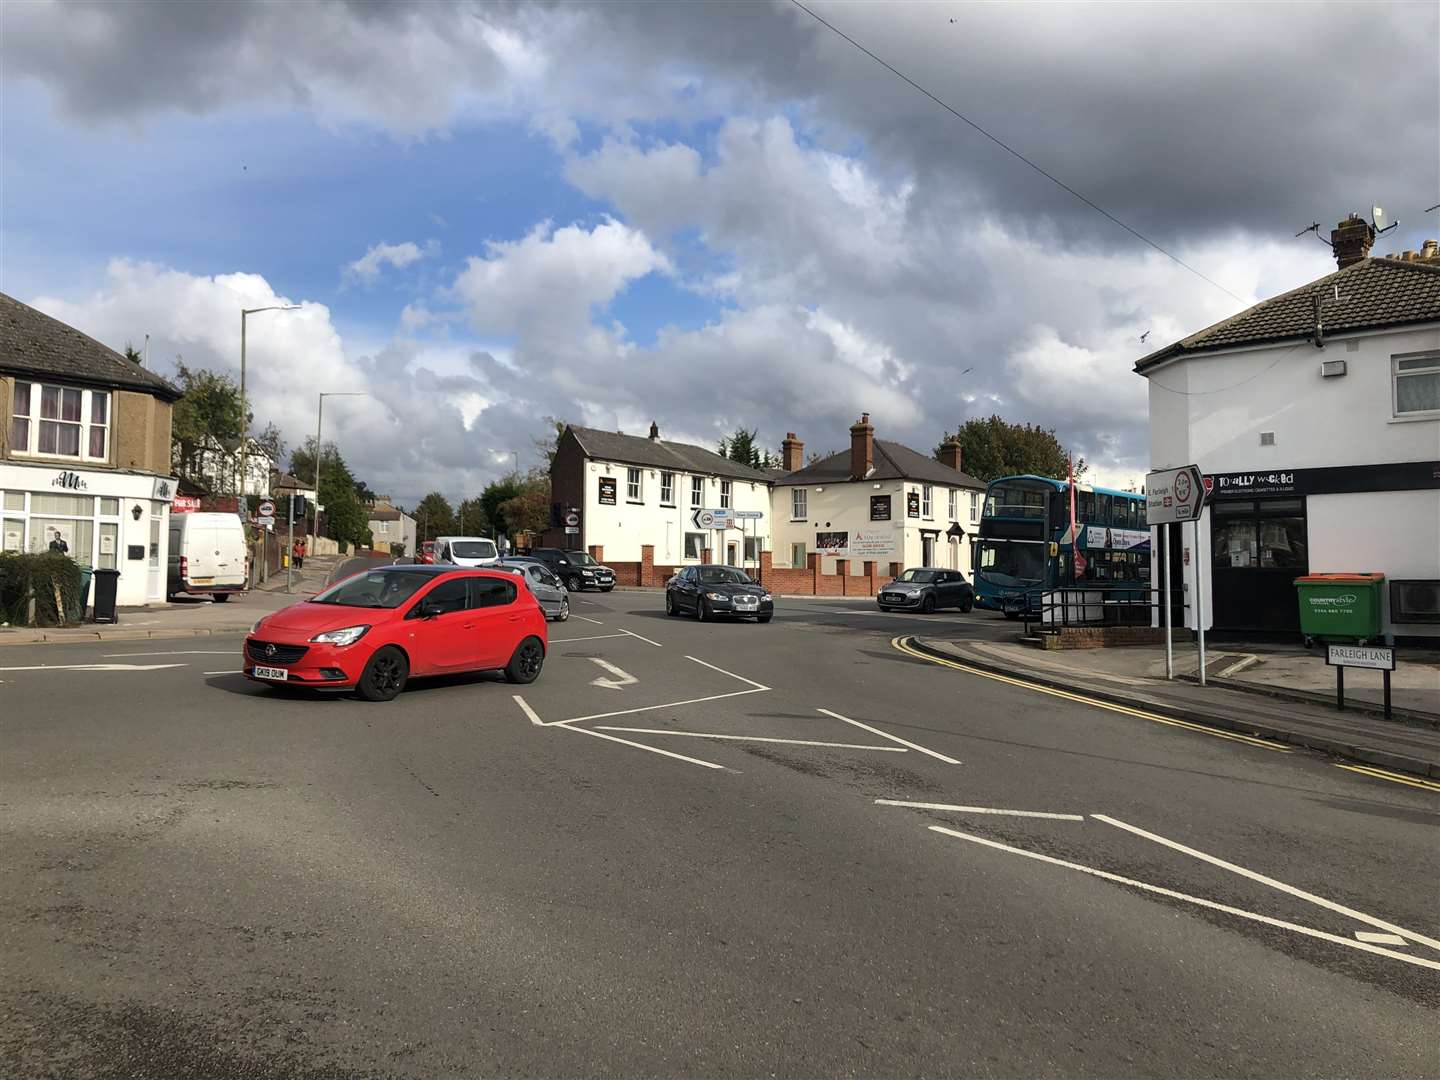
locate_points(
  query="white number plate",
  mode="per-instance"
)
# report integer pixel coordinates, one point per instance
(277, 673)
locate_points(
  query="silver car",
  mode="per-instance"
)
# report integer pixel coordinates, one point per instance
(548, 589)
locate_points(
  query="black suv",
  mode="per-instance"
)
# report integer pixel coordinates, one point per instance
(576, 569)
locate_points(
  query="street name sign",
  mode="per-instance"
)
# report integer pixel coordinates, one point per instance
(713, 519)
(1174, 495)
(1379, 657)
(749, 515)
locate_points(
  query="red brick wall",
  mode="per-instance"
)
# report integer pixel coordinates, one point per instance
(795, 581)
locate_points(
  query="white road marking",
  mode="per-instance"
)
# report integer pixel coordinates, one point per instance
(582, 618)
(892, 738)
(94, 667)
(642, 638)
(1363, 946)
(592, 637)
(235, 672)
(652, 708)
(712, 667)
(528, 711)
(757, 738)
(979, 810)
(186, 652)
(642, 746)
(1380, 939)
(1319, 901)
(622, 677)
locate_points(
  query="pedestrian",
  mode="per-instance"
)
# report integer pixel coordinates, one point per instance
(298, 551)
(57, 543)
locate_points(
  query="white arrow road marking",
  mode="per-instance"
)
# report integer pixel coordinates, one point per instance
(94, 667)
(622, 678)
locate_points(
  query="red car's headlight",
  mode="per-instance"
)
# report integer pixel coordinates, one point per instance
(348, 636)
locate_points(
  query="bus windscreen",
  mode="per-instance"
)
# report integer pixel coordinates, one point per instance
(1008, 562)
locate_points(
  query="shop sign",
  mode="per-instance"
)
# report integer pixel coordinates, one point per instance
(912, 504)
(873, 544)
(879, 507)
(833, 543)
(70, 481)
(163, 490)
(1330, 480)
(607, 491)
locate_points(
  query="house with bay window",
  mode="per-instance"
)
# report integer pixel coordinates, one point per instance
(84, 451)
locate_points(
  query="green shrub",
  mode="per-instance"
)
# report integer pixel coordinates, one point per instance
(397, 548)
(25, 576)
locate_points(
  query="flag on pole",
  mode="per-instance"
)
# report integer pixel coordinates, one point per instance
(1079, 560)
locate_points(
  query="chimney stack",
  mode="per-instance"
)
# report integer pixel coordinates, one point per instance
(792, 453)
(862, 448)
(950, 453)
(654, 430)
(1351, 240)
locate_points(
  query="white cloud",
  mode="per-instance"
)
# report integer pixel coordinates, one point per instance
(367, 268)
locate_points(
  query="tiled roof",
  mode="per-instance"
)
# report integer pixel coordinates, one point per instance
(893, 461)
(32, 343)
(1366, 295)
(384, 515)
(682, 457)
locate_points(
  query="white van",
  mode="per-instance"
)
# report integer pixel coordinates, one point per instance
(466, 551)
(207, 555)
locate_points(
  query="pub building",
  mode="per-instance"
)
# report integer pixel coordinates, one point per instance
(84, 452)
(1315, 419)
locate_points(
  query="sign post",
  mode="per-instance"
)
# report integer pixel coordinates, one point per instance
(290, 547)
(1173, 496)
(1376, 657)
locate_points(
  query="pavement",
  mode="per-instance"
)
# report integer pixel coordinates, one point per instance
(717, 849)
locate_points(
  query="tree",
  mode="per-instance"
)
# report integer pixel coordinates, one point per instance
(434, 517)
(207, 417)
(495, 493)
(469, 517)
(344, 519)
(549, 443)
(132, 354)
(994, 447)
(740, 446)
(529, 511)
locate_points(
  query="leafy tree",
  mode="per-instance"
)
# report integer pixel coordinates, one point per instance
(495, 493)
(529, 511)
(345, 518)
(549, 443)
(208, 415)
(994, 447)
(469, 517)
(434, 517)
(741, 446)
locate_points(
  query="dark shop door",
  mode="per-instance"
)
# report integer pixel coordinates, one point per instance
(1257, 550)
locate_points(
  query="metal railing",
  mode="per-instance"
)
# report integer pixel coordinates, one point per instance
(1107, 604)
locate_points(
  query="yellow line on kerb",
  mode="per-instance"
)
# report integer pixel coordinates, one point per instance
(1394, 778)
(902, 645)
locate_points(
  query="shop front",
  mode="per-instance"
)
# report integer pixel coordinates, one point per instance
(106, 519)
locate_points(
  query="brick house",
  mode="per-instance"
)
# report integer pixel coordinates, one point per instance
(84, 451)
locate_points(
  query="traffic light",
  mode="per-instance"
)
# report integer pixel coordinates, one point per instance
(556, 511)
(297, 505)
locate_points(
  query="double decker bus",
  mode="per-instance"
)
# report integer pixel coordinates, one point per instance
(1026, 545)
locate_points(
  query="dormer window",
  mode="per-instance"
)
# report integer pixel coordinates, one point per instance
(60, 421)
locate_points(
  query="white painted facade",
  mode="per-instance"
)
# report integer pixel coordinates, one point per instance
(109, 519)
(641, 514)
(1211, 410)
(845, 507)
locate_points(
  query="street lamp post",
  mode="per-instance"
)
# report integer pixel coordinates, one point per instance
(319, 417)
(244, 403)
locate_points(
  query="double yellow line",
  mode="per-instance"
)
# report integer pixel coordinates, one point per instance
(1393, 777)
(903, 645)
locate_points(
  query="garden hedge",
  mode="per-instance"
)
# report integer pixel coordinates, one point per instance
(39, 575)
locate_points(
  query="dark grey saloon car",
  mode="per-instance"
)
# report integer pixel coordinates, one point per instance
(927, 589)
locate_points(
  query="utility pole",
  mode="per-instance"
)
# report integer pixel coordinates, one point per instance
(319, 417)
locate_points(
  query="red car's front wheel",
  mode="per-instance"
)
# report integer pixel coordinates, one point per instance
(384, 676)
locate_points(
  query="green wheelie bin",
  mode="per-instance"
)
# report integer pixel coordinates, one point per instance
(1340, 607)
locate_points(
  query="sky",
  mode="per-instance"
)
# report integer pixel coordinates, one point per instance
(709, 216)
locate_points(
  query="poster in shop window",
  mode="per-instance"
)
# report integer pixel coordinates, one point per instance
(607, 491)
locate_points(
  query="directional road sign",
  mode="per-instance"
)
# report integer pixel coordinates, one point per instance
(713, 519)
(1174, 495)
(749, 515)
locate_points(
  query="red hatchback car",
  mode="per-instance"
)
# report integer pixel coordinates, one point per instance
(372, 631)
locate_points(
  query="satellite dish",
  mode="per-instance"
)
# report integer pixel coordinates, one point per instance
(1377, 217)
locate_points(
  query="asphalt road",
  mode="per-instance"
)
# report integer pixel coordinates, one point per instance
(678, 854)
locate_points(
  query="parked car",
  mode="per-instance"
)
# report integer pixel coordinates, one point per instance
(375, 630)
(927, 589)
(425, 556)
(207, 555)
(549, 590)
(710, 592)
(466, 551)
(578, 570)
